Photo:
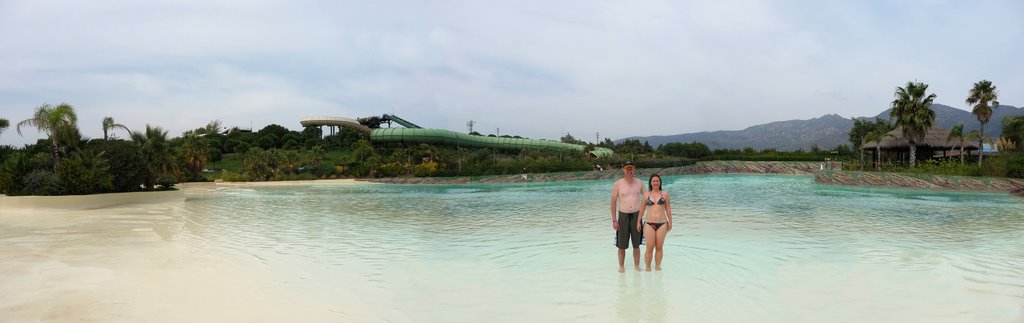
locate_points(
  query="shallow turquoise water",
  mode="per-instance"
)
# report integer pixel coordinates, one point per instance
(744, 248)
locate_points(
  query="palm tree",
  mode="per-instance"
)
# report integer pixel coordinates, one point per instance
(913, 113)
(958, 133)
(877, 136)
(4, 124)
(108, 123)
(57, 122)
(196, 151)
(155, 152)
(980, 95)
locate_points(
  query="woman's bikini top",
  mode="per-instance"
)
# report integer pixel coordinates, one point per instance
(661, 201)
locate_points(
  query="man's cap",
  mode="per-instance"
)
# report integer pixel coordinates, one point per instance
(628, 164)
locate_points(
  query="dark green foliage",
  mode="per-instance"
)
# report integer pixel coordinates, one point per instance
(127, 168)
(863, 127)
(1014, 164)
(241, 148)
(291, 144)
(216, 142)
(273, 129)
(215, 154)
(267, 141)
(14, 167)
(569, 139)
(40, 182)
(1013, 130)
(166, 182)
(690, 150)
(85, 172)
(633, 146)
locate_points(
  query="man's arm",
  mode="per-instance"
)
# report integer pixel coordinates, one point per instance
(614, 201)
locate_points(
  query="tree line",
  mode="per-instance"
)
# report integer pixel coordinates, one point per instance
(911, 113)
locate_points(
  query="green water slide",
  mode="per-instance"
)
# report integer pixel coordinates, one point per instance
(413, 134)
(400, 121)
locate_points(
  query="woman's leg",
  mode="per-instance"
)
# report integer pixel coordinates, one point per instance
(659, 245)
(651, 241)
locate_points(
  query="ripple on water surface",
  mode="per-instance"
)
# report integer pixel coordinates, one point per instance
(761, 248)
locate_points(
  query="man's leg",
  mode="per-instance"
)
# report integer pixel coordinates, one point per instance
(636, 258)
(622, 260)
(637, 236)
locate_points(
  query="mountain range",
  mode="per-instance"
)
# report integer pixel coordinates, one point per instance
(827, 131)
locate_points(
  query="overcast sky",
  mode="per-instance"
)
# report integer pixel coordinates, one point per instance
(532, 68)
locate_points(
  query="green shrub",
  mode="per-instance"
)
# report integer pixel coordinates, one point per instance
(166, 182)
(41, 182)
(1014, 164)
(127, 168)
(14, 167)
(85, 172)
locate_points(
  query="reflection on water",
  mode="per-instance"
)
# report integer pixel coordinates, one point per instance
(744, 248)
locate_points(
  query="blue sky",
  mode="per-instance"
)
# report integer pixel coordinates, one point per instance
(532, 68)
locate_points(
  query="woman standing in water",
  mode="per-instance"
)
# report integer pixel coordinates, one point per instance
(657, 222)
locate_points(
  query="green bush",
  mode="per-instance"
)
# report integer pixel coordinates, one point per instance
(392, 170)
(85, 172)
(14, 167)
(166, 182)
(127, 168)
(41, 182)
(1014, 164)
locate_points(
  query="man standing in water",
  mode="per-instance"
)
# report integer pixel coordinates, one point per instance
(626, 195)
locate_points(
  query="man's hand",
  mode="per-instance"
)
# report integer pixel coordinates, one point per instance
(615, 225)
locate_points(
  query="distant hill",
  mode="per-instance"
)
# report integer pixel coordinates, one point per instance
(826, 131)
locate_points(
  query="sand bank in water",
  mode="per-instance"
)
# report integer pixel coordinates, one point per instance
(134, 263)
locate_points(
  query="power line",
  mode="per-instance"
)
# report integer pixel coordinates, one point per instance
(470, 124)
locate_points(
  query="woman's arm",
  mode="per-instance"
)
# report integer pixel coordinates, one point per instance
(643, 208)
(668, 209)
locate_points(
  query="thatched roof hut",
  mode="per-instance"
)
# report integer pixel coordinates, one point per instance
(935, 139)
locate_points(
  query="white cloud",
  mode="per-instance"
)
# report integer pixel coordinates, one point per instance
(531, 68)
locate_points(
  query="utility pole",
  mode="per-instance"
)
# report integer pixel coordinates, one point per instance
(597, 138)
(470, 124)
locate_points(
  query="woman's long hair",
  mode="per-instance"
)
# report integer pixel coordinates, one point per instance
(651, 187)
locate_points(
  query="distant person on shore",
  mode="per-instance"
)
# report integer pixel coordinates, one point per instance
(627, 193)
(656, 212)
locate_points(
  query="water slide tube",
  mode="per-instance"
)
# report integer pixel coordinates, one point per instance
(400, 121)
(445, 137)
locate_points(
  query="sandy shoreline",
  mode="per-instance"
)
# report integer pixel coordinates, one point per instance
(133, 262)
(315, 182)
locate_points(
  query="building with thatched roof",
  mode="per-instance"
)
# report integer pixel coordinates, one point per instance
(896, 148)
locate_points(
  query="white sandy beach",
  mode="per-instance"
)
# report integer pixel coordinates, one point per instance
(98, 259)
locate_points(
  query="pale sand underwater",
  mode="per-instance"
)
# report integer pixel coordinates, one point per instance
(131, 263)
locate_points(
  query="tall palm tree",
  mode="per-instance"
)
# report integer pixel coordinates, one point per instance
(912, 111)
(57, 122)
(156, 153)
(980, 97)
(957, 133)
(108, 124)
(4, 124)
